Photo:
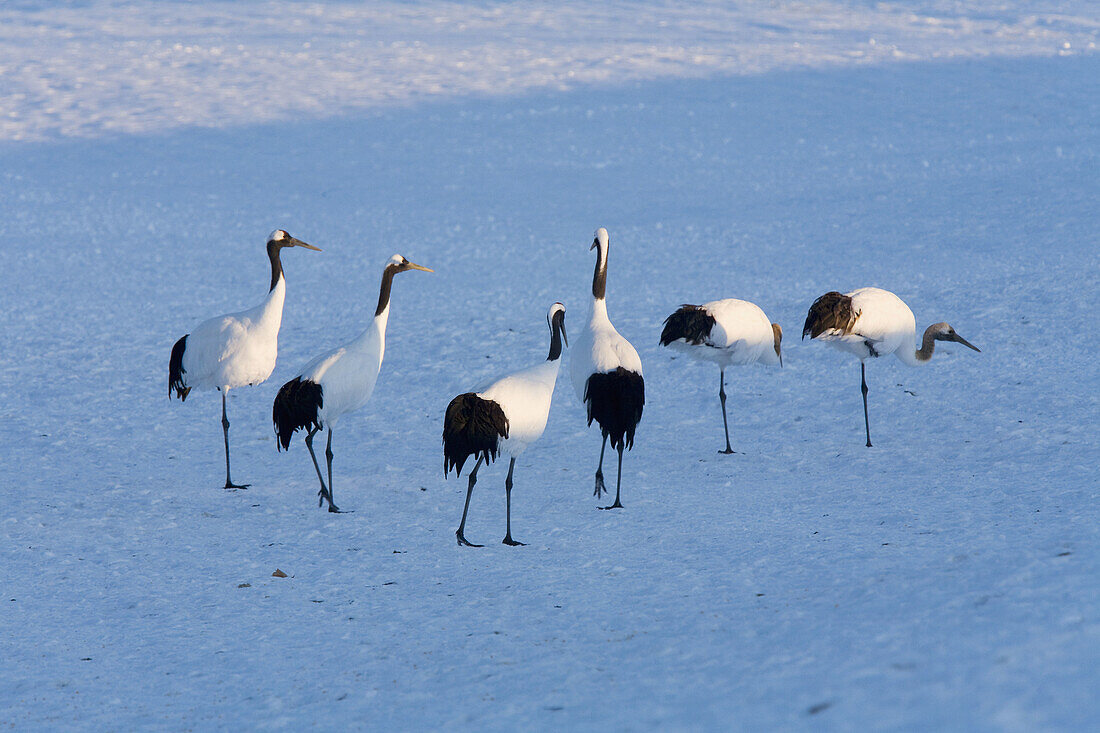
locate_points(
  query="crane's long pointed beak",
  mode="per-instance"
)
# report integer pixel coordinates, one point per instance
(420, 267)
(964, 342)
(595, 243)
(563, 336)
(300, 243)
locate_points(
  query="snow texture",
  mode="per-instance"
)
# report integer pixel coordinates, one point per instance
(83, 68)
(948, 578)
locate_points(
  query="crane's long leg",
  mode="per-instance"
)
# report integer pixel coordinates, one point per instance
(469, 491)
(863, 388)
(225, 431)
(328, 457)
(618, 483)
(600, 488)
(508, 505)
(323, 493)
(722, 397)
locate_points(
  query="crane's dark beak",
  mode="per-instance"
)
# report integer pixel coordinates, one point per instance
(299, 243)
(595, 243)
(964, 342)
(563, 336)
(414, 266)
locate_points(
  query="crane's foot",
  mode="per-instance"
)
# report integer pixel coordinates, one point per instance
(869, 444)
(728, 451)
(230, 486)
(616, 505)
(337, 510)
(600, 488)
(463, 541)
(509, 541)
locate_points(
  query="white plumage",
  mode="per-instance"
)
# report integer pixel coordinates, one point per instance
(337, 382)
(237, 349)
(871, 322)
(504, 415)
(607, 373)
(727, 332)
(600, 349)
(525, 398)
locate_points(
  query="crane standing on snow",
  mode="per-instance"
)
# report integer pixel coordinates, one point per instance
(504, 416)
(726, 332)
(237, 349)
(873, 322)
(607, 374)
(336, 382)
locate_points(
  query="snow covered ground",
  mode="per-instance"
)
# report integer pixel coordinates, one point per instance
(947, 578)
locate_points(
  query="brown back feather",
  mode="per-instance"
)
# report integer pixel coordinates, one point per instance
(832, 310)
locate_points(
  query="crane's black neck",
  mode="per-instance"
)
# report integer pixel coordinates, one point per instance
(273, 249)
(599, 277)
(384, 291)
(556, 326)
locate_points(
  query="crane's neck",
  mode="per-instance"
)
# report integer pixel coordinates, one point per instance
(271, 310)
(384, 291)
(599, 277)
(377, 329)
(928, 345)
(599, 312)
(555, 342)
(924, 353)
(273, 251)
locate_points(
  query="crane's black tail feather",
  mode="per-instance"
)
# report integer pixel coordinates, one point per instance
(691, 323)
(615, 400)
(297, 407)
(176, 370)
(473, 426)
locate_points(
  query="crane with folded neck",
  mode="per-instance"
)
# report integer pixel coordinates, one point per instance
(871, 322)
(336, 383)
(505, 415)
(236, 349)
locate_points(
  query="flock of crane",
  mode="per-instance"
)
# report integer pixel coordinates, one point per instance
(509, 413)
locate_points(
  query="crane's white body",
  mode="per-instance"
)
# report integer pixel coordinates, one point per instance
(600, 349)
(525, 398)
(236, 349)
(347, 375)
(884, 323)
(742, 334)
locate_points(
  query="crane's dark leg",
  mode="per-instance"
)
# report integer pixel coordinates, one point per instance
(323, 493)
(508, 505)
(328, 457)
(600, 489)
(618, 483)
(225, 431)
(863, 388)
(722, 397)
(469, 491)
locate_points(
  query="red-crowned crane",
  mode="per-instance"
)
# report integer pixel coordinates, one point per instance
(505, 415)
(607, 374)
(337, 382)
(237, 349)
(874, 322)
(728, 333)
